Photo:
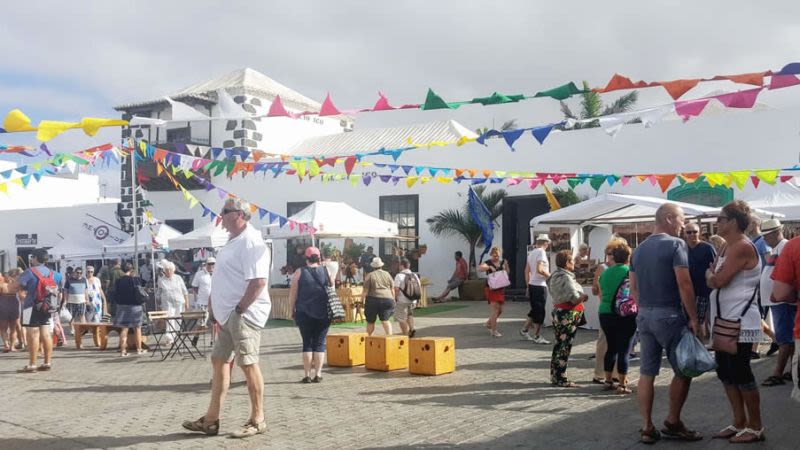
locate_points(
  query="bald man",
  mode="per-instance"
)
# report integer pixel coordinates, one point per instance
(662, 286)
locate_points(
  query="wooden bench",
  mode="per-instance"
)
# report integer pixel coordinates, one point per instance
(99, 331)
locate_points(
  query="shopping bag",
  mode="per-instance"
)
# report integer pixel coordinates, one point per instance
(692, 357)
(498, 280)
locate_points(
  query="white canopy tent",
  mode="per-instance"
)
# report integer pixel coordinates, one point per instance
(784, 199)
(163, 233)
(334, 220)
(209, 235)
(608, 209)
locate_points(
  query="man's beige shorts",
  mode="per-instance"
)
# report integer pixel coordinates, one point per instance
(240, 337)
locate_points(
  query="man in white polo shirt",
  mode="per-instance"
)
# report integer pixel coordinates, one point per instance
(537, 271)
(240, 303)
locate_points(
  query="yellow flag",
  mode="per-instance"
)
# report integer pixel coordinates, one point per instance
(767, 176)
(740, 177)
(551, 199)
(4, 188)
(16, 120)
(411, 180)
(48, 129)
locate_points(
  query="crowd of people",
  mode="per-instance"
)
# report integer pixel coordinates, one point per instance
(672, 284)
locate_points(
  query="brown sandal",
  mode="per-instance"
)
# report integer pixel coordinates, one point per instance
(650, 436)
(679, 431)
(200, 426)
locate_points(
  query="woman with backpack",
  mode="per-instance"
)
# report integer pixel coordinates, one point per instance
(309, 305)
(496, 297)
(617, 322)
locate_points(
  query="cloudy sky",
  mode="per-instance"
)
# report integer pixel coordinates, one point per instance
(66, 60)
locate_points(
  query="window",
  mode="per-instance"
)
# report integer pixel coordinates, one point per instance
(182, 225)
(404, 211)
(292, 257)
(178, 135)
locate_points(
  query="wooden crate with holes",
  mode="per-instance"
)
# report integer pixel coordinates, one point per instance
(346, 350)
(432, 355)
(386, 353)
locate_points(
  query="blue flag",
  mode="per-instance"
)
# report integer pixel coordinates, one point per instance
(483, 218)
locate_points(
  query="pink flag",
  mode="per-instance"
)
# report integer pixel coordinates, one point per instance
(327, 108)
(382, 104)
(533, 183)
(514, 181)
(690, 108)
(276, 109)
(741, 99)
(782, 81)
(653, 180)
(625, 180)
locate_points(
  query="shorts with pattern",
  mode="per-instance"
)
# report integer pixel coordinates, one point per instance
(702, 304)
(77, 311)
(454, 283)
(240, 337)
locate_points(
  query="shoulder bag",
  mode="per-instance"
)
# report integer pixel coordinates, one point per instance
(725, 333)
(335, 308)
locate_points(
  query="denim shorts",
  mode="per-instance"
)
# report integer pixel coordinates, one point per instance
(783, 321)
(660, 329)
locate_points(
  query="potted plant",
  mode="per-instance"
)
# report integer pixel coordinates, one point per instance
(459, 222)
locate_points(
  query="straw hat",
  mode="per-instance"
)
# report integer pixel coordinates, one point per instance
(770, 225)
(376, 262)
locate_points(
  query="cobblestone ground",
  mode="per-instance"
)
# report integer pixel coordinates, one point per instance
(499, 397)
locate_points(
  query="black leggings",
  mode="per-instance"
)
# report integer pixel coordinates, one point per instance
(619, 333)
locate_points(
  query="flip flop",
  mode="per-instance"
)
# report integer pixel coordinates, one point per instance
(747, 436)
(44, 367)
(649, 437)
(773, 381)
(726, 433)
(27, 369)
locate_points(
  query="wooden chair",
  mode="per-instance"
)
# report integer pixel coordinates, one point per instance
(153, 317)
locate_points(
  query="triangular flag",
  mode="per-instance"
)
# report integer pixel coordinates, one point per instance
(382, 104)
(664, 181)
(767, 176)
(785, 178)
(541, 133)
(625, 180)
(677, 88)
(754, 179)
(740, 177)
(433, 101)
(276, 109)
(327, 108)
(411, 180)
(511, 136)
(597, 181)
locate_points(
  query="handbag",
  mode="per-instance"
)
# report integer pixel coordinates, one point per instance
(725, 333)
(335, 308)
(498, 280)
(624, 305)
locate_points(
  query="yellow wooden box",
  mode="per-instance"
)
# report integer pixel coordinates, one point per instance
(346, 350)
(387, 353)
(432, 355)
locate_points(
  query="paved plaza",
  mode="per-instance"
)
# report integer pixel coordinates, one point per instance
(499, 397)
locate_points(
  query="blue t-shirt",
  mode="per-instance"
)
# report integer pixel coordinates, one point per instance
(763, 249)
(700, 258)
(654, 263)
(75, 286)
(29, 281)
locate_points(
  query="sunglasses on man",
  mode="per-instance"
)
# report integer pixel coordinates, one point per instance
(227, 210)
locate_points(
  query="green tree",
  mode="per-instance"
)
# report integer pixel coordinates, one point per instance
(566, 197)
(592, 106)
(459, 222)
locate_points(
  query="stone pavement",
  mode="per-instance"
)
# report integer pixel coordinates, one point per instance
(499, 397)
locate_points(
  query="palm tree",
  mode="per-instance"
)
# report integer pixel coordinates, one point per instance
(507, 125)
(592, 106)
(459, 222)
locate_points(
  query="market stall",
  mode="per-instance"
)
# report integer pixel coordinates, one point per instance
(629, 216)
(209, 235)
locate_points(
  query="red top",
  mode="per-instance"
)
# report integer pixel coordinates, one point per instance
(787, 270)
(569, 305)
(462, 271)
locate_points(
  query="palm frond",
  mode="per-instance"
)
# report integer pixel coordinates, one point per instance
(591, 104)
(565, 109)
(509, 125)
(451, 222)
(622, 104)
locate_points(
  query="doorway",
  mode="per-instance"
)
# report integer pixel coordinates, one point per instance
(517, 214)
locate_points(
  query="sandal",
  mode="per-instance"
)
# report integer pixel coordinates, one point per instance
(679, 431)
(565, 384)
(788, 376)
(773, 381)
(597, 380)
(747, 436)
(623, 389)
(726, 433)
(44, 367)
(608, 386)
(649, 436)
(28, 369)
(200, 425)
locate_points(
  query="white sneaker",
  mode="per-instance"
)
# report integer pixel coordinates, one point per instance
(495, 333)
(540, 340)
(525, 335)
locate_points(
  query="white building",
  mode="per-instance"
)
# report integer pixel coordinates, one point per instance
(720, 142)
(44, 212)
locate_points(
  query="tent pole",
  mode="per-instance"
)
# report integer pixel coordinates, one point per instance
(135, 210)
